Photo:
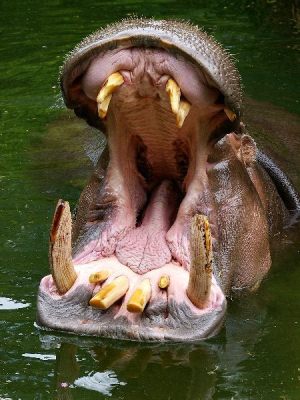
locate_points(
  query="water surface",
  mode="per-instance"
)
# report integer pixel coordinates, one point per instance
(46, 154)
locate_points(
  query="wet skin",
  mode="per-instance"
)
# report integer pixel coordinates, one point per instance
(167, 161)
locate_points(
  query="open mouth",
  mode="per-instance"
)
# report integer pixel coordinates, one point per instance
(142, 264)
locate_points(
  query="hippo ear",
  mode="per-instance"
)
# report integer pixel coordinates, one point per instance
(248, 150)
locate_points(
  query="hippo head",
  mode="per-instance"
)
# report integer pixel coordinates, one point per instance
(177, 211)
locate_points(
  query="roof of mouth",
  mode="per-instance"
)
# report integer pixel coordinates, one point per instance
(179, 36)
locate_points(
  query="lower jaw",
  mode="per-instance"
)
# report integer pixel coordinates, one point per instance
(169, 316)
(180, 325)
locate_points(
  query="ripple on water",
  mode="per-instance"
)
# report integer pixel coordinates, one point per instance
(43, 357)
(102, 382)
(10, 304)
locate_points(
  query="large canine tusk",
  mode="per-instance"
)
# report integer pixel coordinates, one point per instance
(184, 109)
(60, 248)
(199, 285)
(174, 93)
(110, 293)
(140, 297)
(179, 107)
(104, 96)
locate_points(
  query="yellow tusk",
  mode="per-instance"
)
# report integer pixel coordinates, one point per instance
(184, 108)
(174, 93)
(230, 114)
(99, 277)
(140, 297)
(113, 81)
(104, 96)
(164, 282)
(110, 293)
(179, 107)
(103, 107)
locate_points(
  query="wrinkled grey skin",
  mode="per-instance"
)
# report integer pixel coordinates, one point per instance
(244, 223)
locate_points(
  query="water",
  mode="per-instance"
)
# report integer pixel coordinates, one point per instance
(46, 154)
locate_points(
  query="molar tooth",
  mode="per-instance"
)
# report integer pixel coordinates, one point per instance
(164, 282)
(184, 109)
(140, 297)
(174, 93)
(60, 258)
(99, 277)
(199, 285)
(104, 96)
(110, 293)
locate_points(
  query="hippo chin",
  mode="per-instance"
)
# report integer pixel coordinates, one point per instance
(181, 206)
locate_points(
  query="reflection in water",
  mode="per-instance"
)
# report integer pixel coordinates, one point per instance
(179, 370)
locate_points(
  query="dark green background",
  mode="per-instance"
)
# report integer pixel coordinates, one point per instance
(43, 157)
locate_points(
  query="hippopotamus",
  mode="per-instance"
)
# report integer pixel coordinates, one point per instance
(181, 208)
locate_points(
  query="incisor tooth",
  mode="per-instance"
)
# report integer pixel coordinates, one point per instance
(110, 293)
(140, 297)
(184, 108)
(99, 277)
(174, 93)
(164, 282)
(104, 96)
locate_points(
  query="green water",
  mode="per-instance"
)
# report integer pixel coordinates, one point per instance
(44, 157)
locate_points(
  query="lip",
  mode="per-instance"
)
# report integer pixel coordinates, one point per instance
(71, 314)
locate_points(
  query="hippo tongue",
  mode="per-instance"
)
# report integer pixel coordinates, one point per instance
(145, 248)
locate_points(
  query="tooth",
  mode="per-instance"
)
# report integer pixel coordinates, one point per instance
(103, 107)
(60, 248)
(184, 108)
(174, 93)
(164, 282)
(140, 297)
(99, 277)
(230, 114)
(110, 293)
(104, 96)
(179, 107)
(199, 285)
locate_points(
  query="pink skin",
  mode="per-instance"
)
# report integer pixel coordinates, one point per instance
(176, 291)
(145, 248)
(158, 65)
(145, 73)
